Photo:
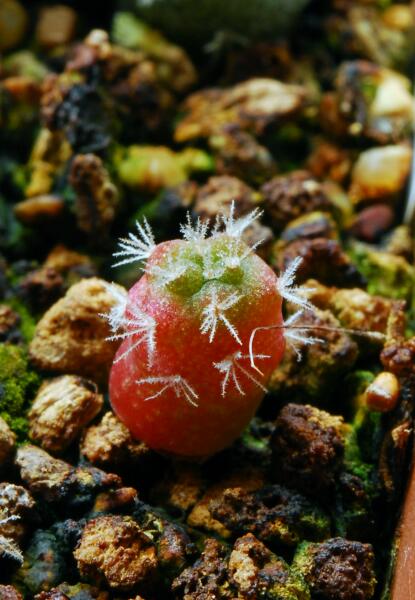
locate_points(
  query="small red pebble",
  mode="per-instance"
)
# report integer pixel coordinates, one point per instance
(201, 331)
(372, 222)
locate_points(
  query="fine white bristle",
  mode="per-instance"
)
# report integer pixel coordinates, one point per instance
(139, 327)
(136, 248)
(230, 367)
(230, 257)
(194, 232)
(116, 317)
(170, 271)
(214, 313)
(291, 292)
(296, 338)
(177, 383)
(235, 227)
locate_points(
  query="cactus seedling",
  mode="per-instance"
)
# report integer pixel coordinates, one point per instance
(201, 332)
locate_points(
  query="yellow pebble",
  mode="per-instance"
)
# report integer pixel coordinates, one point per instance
(383, 393)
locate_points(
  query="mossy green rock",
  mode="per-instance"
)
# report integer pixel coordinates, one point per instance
(387, 275)
(18, 384)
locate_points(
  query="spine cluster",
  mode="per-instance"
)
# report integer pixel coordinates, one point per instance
(205, 255)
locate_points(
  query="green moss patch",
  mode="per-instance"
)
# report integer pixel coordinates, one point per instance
(18, 384)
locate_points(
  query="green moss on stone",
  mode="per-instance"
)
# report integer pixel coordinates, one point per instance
(18, 384)
(387, 275)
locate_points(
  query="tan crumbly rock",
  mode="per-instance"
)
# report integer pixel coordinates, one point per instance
(115, 500)
(217, 195)
(237, 152)
(50, 153)
(321, 363)
(110, 443)
(55, 480)
(41, 472)
(62, 260)
(337, 568)
(61, 409)
(181, 489)
(276, 515)
(356, 309)
(257, 572)
(201, 517)
(114, 550)
(208, 577)
(7, 442)
(252, 105)
(96, 195)
(287, 197)
(308, 447)
(16, 510)
(9, 322)
(71, 337)
(56, 26)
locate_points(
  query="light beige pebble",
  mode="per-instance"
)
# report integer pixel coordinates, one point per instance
(114, 550)
(62, 407)
(110, 444)
(72, 336)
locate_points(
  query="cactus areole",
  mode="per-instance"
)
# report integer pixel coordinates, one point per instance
(201, 332)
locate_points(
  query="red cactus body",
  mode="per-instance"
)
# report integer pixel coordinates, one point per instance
(184, 380)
